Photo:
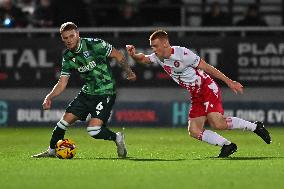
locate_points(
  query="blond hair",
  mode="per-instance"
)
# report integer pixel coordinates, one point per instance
(67, 26)
(159, 34)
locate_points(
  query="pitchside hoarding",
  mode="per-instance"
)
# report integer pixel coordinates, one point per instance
(254, 61)
(150, 114)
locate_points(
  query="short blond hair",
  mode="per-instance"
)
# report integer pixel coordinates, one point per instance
(159, 34)
(67, 26)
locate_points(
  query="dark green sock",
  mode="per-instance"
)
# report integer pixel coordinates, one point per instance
(57, 135)
(105, 134)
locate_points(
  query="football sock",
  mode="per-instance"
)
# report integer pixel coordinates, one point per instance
(101, 132)
(58, 133)
(238, 123)
(213, 138)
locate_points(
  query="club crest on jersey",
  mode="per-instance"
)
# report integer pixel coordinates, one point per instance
(176, 64)
(86, 54)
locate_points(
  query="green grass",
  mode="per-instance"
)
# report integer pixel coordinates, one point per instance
(158, 158)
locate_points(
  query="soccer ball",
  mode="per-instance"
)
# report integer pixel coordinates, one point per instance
(65, 149)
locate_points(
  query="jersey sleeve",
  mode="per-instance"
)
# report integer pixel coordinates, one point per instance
(153, 58)
(65, 69)
(190, 58)
(102, 47)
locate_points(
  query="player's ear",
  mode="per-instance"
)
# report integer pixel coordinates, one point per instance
(166, 43)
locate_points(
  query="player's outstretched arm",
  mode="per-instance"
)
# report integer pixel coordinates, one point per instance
(57, 90)
(140, 57)
(122, 61)
(233, 85)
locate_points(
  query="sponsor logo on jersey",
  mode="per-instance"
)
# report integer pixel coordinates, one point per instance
(88, 67)
(176, 72)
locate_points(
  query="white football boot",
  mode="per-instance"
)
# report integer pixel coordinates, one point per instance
(121, 147)
(49, 153)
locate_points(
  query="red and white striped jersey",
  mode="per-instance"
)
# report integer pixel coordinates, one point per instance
(182, 67)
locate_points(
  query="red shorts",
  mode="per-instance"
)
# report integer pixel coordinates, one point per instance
(206, 99)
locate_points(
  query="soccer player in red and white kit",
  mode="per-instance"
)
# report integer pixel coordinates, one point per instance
(193, 73)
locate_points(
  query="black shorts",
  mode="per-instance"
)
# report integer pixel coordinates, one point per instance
(99, 106)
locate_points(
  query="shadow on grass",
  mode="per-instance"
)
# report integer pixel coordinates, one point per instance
(240, 158)
(152, 159)
(131, 159)
(253, 158)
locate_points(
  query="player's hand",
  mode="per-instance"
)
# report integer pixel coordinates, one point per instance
(131, 50)
(46, 103)
(236, 87)
(131, 76)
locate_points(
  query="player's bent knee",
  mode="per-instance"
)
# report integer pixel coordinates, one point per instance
(218, 125)
(194, 131)
(94, 130)
(63, 124)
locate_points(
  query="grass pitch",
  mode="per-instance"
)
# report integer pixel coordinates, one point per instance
(158, 158)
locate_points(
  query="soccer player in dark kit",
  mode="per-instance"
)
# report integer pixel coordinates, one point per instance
(90, 57)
